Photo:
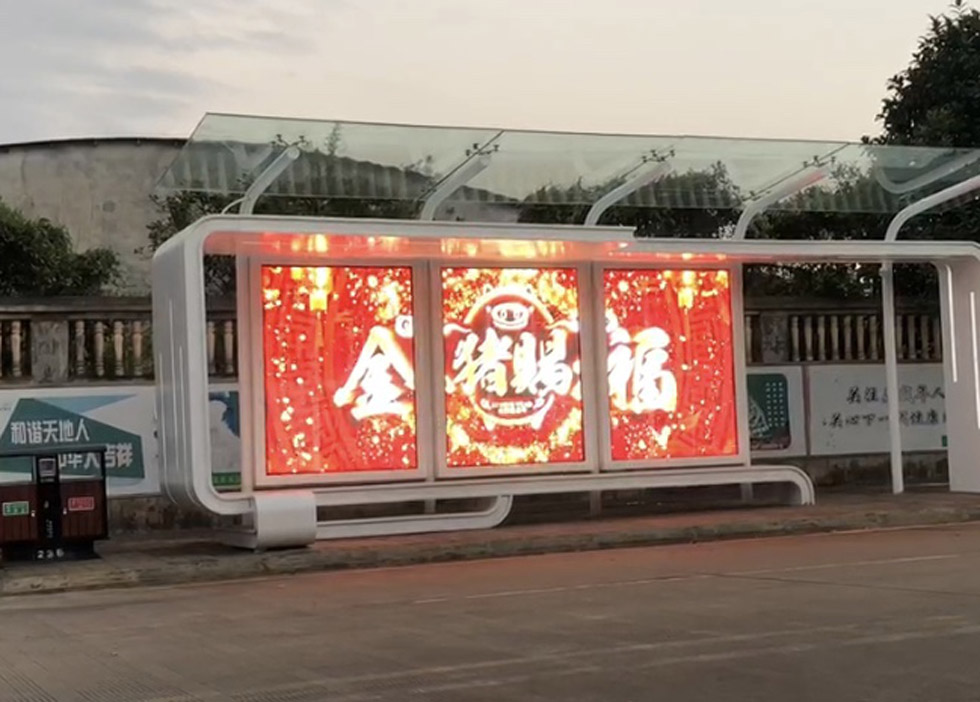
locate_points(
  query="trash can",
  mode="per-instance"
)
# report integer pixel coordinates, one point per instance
(58, 514)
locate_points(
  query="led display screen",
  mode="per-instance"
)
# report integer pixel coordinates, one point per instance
(338, 369)
(670, 364)
(512, 366)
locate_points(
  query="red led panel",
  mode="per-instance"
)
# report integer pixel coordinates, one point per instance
(670, 364)
(338, 368)
(512, 365)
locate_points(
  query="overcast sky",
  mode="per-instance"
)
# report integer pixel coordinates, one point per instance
(782, 68)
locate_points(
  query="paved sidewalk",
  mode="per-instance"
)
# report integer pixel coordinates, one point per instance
(184, 558)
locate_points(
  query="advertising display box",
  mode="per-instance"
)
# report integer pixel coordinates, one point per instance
(409, 361)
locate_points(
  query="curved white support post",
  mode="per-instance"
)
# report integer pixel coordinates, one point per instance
(807, 177)
(653, 172)
(267, 178)
(926, 178)
(453, 182)
(499, 506)
(888, 319)
(492, 516)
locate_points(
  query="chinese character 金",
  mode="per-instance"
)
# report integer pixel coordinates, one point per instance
(371, 386)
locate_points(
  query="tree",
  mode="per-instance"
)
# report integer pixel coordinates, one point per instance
(936, 100)
(38, 259)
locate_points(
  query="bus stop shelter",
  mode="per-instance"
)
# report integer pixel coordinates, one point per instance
(471, 331)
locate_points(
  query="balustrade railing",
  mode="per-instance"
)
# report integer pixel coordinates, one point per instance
(111, 339)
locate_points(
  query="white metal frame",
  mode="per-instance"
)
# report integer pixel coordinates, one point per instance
(811, 175)
(288, 516)
(246, 203)
(501, 504)
(649, 173)
(888, 312)
(453, 182)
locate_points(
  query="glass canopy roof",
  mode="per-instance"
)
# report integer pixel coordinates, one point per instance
(494, 168)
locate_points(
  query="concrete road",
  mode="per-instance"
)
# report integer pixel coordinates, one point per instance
(891, 615)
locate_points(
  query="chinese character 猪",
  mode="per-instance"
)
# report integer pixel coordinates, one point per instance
(482, 364)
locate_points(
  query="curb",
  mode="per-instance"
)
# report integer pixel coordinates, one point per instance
(145, 569)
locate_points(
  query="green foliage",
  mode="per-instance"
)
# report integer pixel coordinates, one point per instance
(936, 100)
(38, 259)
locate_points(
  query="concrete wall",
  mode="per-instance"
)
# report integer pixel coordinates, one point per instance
(99, 189)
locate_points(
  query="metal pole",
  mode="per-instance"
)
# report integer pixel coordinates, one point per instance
(807, 177)
(453, 182)
(266, 178)
(645, 176)
(891, 377)
(803, 180)
(888, 322)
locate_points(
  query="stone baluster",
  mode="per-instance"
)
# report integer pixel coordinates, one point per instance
(98, 348)
(211, 343)
(848, 337)
(748, 339)
(794, 336)
(860, 329)
(136, 334)
(16, 361)
(912, 347)
(928, 341)
(822, 337)
(835, 337)
(229, 348)
(79, 343)
(808, 336)
(901, 352)
(937, 338)
(873, 336)
(118, 349)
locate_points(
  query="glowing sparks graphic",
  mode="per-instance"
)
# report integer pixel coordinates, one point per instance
(338, 369)
(513, 392)
(670, 364)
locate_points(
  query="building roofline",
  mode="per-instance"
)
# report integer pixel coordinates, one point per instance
(93, 141)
